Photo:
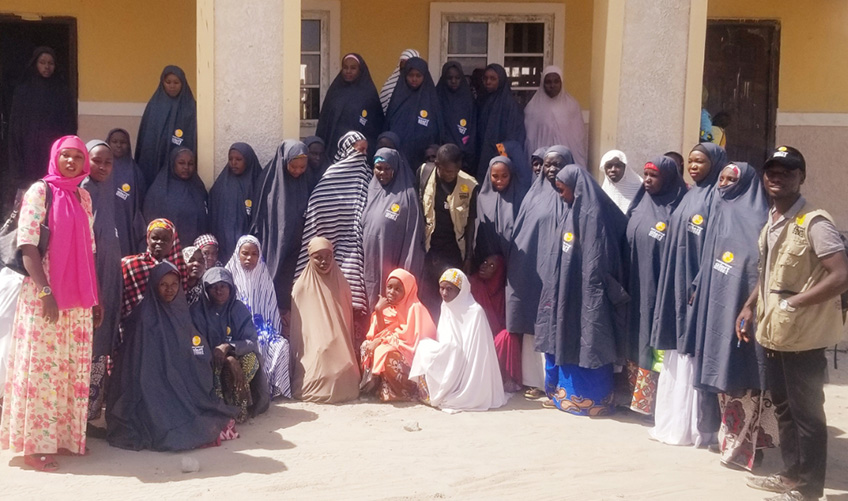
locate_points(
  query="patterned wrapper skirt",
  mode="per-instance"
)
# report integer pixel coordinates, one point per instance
(577, 390)
(748, 424)
(643, 385)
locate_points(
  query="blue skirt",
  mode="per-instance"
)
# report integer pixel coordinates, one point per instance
(577, 390)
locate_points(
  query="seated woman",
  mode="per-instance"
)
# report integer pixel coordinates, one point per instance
(161, 395)
(208, 245)
(255, 288)
(325, 368)
(399, 321)
(195, 268)
(488, 287)
(459, 371)
(163, 243)
(226, 324)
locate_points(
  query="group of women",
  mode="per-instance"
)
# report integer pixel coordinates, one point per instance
(302, 278)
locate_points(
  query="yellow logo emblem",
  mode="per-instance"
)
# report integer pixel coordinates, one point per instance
(395, 207)
(698, 219)
(228, 330)
(125, 188)
(364, 113)
(178, 133)
(568, 237)
(423, 113)
(248, 203)
(800, 219)
(727, 257)
(195, 340)
(463, 122)
(782, 148)
(464, 188)
(660, 226)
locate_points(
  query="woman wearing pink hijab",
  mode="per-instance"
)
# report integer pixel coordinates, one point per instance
(45, 405)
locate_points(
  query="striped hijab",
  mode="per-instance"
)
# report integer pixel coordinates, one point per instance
(335, 212)
(255, 288)
(391, 82)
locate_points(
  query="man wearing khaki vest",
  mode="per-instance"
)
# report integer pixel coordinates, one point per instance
(803, 270)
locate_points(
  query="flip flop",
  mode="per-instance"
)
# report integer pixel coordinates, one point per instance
(549, 404)
(41, 462)
(533, 394)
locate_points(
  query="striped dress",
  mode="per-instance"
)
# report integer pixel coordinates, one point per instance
(335, 212)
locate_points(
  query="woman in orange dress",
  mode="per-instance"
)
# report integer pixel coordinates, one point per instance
(399, 321)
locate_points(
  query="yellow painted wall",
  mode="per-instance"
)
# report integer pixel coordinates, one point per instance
(813, 35)
(381, 29)
(123, 44)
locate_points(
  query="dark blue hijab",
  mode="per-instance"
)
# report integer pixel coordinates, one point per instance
(414, 114)
(681, 259)
(130, 189)
(181, 201)
(583, 303)
(496, 213)
(646, 237)
(278, 220)
(728, 275)
(499, 118)
(168, 123)
(351, 106)
(532, 249)
(231, 201)
(459, 114)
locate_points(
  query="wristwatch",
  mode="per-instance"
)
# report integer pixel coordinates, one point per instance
(44, 292)
(785, 306)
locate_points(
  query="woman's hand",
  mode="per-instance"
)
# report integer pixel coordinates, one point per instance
(238, 375)
(49, 309)
(219, 356)
(382, 304)
(97, 315)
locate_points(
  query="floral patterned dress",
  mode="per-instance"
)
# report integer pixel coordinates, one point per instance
(47, 385)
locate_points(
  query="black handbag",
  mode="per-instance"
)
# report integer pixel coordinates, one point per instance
(10, 256)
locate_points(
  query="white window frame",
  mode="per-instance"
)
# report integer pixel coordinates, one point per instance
(329, 13)
(497, 15)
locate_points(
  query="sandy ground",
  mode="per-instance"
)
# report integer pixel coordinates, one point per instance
(365, 450)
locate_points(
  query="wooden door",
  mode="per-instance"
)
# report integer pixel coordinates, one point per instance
(740, 77)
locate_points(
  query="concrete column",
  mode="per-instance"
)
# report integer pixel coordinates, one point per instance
(248, 78)
(647, 69)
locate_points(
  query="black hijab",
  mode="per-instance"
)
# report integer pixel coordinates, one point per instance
(231, 323)
(351, 106)
(681, 260)
(647, 237)
(130, 188)
(414, 114)
(532, 253)
(325, 160)
(183, 202)
(42, 111)
(161, 395)
(459, 114)
(496, 213)
(107, 260)
(278, 221)
(499, 118)
(582, 309)
(231, 201)
(728, 275)
(392, 226)
(168, 123)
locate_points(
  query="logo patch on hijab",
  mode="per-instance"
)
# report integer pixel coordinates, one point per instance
(195, 340)
(248, 204)
(123, 192)
(422, 118)
(463, 122)
(393, 212)
(363, 119)
(723, 265)
(177, 138)
(178, 133)
(698, 219)
(658, 231)
(567, 237)
(727, 257)
(695, 225)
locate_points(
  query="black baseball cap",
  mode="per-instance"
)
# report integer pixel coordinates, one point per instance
(788, 157)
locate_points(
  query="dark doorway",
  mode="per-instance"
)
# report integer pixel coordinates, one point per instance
(18, 39)
(740, 75)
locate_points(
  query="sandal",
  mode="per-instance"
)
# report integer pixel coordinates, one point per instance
(549, 404)
(772, 483)
(533, 393)
(41, 462)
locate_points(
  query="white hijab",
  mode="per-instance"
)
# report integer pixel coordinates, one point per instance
(557, 120)
(391, 82)
(460, 366)
(622, 192)
(255, 288)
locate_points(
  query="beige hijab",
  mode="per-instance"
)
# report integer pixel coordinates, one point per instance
(325, 368)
